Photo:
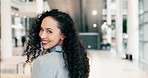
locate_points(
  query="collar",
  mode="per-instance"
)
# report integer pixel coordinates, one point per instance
(56, 49)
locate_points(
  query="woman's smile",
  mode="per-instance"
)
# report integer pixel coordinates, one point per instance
(44, 42)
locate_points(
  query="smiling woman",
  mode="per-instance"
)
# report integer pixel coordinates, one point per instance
(55, 47)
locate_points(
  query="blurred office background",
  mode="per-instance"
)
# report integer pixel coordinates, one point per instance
(113, 29)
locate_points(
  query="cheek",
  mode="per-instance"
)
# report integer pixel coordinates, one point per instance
(55, 38)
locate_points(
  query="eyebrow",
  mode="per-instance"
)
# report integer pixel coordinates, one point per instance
(48, 28)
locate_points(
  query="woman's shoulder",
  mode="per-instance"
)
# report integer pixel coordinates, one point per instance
(52, 55)
(50, 65)
(51, 58)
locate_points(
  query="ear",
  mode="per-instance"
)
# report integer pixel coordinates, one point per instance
(62, 37)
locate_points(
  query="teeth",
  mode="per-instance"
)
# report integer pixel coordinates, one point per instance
(44, 42)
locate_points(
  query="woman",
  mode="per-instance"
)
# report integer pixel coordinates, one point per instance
(55, 45)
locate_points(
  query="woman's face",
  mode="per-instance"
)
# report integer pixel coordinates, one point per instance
(50, 34)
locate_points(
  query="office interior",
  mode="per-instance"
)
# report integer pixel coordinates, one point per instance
(105, 26)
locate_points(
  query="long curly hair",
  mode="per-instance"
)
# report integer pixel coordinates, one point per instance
(75, 54)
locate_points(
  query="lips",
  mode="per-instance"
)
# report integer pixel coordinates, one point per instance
(44, 42)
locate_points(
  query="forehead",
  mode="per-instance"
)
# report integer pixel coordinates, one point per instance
(49, 22)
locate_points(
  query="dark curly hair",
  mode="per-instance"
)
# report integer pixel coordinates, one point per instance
(75, 54)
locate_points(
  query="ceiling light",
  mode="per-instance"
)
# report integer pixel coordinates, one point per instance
(94, 25)
(94, 12)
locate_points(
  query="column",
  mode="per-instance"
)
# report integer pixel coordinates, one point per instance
(27, 26)
(6, 31)
(132, 29)
(119, 34)
(39, 6)
(83, 15)
(145, 31)
(109, 21)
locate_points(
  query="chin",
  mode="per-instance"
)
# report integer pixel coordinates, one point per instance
(45, 48)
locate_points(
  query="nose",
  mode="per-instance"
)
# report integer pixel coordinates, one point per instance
(43, 35)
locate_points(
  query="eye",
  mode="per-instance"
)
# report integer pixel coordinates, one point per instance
(49, 31)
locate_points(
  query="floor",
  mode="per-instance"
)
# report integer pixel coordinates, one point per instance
(103, 64)
(106, 64)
